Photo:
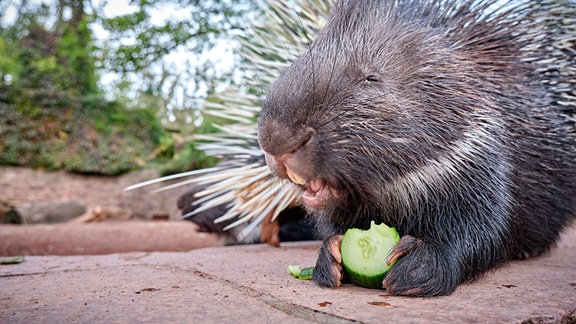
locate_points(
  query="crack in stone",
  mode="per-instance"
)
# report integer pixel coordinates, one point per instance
(291, 309)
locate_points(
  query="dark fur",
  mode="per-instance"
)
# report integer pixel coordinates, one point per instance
(436, 118)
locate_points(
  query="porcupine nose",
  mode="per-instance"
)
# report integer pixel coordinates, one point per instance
(276, 165)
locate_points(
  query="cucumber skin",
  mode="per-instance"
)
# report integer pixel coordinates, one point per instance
(363, 279)
(374, 282)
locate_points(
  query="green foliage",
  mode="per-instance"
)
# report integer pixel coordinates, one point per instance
(8, 61)
(87, 135)
(60, 62)
(52, 114)
(205, 22)
(142, 46)
(187, 158)
(75, 53)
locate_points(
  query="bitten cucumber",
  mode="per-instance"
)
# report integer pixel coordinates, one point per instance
(364, 254)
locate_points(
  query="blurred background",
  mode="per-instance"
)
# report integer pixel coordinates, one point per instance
(106, 87)
(98, 95)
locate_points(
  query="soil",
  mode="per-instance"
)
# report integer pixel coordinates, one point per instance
(155, 224)
(22, 185)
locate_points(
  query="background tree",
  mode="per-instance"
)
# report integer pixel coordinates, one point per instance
(170, 50)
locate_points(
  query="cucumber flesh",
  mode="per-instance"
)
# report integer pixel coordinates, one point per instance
(364, 254)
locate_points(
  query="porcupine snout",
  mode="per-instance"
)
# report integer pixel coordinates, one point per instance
(294, 156)
(287, 149)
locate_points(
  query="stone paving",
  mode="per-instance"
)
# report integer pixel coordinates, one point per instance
(250, 284)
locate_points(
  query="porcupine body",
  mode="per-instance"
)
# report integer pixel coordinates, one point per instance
(448, 120)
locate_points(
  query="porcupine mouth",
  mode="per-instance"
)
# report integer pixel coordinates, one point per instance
(316, 191)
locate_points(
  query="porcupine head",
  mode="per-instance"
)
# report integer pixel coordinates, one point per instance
(394, 115)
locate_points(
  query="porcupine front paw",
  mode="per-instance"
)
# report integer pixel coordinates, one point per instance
(329, 270)
(420, 270)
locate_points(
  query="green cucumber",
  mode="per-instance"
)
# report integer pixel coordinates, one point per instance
(364, 254)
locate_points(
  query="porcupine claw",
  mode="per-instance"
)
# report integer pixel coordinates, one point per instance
(329, 270)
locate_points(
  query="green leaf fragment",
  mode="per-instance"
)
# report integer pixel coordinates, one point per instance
(299, 273)
(15, 260)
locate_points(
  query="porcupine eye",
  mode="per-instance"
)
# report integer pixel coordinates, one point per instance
(372, 78)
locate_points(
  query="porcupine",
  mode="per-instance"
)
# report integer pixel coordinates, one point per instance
(448, 120)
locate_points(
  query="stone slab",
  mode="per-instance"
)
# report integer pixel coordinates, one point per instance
(250, 284)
